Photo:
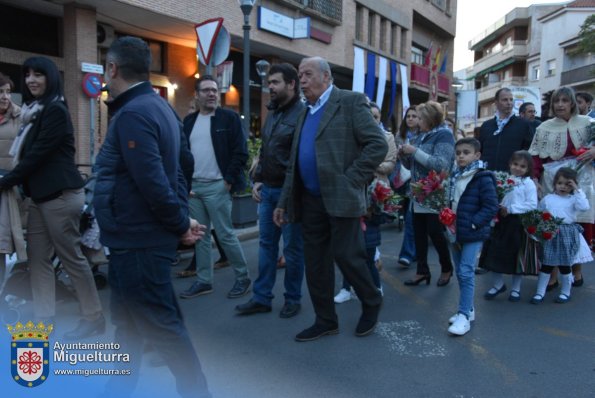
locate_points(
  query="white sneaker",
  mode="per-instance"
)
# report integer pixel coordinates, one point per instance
(452, 319)
(343, 296)
(460, 326)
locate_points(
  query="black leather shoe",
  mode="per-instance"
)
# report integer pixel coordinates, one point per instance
(316, 331)
(86, 328)
(368, 321)
(252, 307)
(290, 310)
(418, 279)
(239, 288)
(494, 293)
(197, 289)
(578, 282)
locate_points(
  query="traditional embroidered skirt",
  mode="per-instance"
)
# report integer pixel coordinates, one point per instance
(564, 247)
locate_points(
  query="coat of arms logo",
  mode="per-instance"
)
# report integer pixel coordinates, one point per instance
(29, 353)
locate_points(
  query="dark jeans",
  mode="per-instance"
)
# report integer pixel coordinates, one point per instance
(144, 309)
(338, 239)
(424, 225)
(370, 254)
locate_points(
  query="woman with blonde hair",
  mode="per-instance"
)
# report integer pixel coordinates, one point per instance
(431, 150)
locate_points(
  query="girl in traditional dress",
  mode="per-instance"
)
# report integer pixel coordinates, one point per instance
(568, 246)
(505, 244)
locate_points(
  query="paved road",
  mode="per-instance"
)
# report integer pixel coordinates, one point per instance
(513, 349)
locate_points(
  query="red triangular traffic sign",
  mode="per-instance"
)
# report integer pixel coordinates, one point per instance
(206, 34)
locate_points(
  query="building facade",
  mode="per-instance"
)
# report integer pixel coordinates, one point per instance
(80, 31)
(532, 46)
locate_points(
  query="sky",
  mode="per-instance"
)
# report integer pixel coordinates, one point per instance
(474, 16)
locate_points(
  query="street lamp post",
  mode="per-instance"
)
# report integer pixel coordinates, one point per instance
(246, 6)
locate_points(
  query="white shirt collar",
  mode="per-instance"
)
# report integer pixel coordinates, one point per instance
(321, 100)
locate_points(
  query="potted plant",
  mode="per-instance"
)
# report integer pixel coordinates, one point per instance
(244, 208)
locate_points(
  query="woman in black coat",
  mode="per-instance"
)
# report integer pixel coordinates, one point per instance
(44, 166)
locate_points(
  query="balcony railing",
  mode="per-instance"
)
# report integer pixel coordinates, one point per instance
(421, 75)
(518, 50)
(577, 75)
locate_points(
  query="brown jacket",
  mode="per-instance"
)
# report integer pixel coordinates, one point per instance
(9, 128)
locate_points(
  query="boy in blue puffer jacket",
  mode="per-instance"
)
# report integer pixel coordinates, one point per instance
(472, 196)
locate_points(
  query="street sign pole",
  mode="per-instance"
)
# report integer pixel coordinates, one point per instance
(92, 131)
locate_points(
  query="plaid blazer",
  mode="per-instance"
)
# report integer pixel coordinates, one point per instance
(349, 146)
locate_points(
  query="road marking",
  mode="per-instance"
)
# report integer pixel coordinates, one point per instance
(407, 338)
(562, 333)
(405, 343)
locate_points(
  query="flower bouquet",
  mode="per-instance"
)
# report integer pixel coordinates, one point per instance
(582, 150)
(504, 183)
(430, 192)
(383, 200)
(541, 225)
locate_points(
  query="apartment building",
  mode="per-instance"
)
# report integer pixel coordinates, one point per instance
(71, 32)
(501, 52)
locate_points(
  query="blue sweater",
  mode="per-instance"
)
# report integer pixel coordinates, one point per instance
(477, 207)
(140, 195)
(307, 152)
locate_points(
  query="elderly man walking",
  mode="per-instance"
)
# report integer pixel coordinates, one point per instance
(336, 147)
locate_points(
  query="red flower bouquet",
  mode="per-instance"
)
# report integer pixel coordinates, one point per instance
(430, 191)
(382, 199)
(541, 225)
(504, 183)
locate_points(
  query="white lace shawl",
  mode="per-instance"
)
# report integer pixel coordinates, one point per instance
(551, 138)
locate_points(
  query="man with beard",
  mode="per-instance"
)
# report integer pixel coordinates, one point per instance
(277, 136)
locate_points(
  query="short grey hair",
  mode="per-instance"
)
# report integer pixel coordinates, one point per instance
(323, 65)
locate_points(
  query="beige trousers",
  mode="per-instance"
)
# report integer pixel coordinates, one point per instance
(53, 227)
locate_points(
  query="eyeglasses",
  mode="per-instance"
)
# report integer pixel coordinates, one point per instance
(208, 90)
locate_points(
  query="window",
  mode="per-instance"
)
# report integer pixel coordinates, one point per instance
(371, 29)
(551, 67)
(417, 56)
(535, 73)
(156, 56)
(393, 38)
(359, 22)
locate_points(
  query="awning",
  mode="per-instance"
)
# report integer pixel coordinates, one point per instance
(492, 68)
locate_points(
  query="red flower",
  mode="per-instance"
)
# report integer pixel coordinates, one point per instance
(531, 229)
(382, 192)
(547, 235)
(578, 152)
(447, 216)
(545, 216)
(509, 181)
(499, 182)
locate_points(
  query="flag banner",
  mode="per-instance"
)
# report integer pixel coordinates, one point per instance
(371, 75)
(404, 87)
(381, 81)
(393, 88)
(444, 62)
(358, 70)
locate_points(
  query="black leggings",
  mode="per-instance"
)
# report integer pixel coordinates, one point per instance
(564, 269)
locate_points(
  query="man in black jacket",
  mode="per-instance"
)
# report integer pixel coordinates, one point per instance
(218, 144)
(504, 134)
(277, 136)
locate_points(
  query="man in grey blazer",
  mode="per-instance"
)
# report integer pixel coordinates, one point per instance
(336, 148)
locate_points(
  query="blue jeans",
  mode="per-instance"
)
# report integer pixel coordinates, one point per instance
(293, 250)
(408, 246)
(464, 258)
(144, 310)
